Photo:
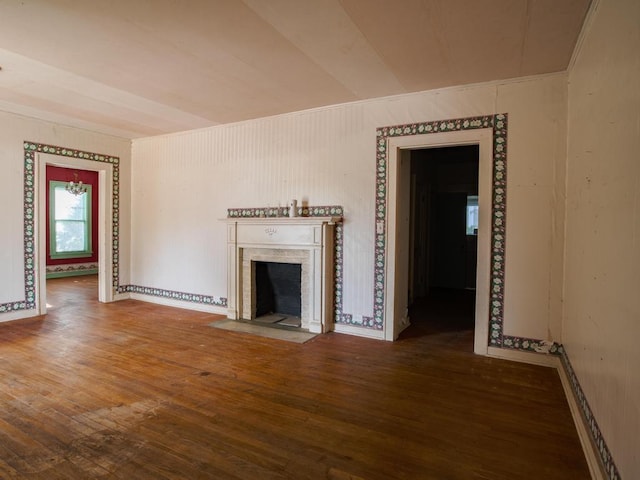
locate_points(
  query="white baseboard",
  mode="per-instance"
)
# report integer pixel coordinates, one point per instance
(590, 450)
(18, 315)
(545, 360)
(358, 331)
(179, 304)
(121, 296)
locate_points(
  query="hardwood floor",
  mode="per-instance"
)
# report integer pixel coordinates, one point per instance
(132, 390)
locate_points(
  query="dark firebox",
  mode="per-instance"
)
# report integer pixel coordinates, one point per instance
(278, 288)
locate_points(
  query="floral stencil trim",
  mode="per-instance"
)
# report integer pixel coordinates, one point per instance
(284, 212)
(531, 345)
(30, 150)
(603, 450)
(338, 276)
(14, 306)
(311, 211)
(74, 267)
(70, 152)
(437, 126)
(499, 125)
(498, 230)
(29, 231)
(175, 295)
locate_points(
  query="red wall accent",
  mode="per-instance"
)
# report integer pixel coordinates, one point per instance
(89, 178)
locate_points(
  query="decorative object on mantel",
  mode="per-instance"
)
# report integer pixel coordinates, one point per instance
(293, 208)
(75, 186)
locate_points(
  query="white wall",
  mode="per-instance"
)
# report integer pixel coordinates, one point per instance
(535, 206)
(14, 130)
(602, 296)
(183, 183)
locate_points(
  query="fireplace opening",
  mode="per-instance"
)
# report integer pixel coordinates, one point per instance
(278, 290)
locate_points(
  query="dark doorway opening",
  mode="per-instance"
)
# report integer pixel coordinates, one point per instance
(443, 236)
(278, 288)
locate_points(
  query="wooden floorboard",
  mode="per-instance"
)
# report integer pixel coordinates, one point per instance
(132, 390)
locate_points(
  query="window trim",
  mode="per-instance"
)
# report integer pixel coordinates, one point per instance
(88, 250)
(472, 201)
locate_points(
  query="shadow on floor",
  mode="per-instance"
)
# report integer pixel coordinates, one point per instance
(445, 314)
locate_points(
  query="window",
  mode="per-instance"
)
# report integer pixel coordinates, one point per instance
(472, 215)
(70, 222)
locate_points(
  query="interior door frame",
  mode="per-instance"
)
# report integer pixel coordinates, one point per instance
(105, 228)
(397, 272)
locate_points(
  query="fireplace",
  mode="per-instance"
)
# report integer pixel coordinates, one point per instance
(306, 243)
(278, 289)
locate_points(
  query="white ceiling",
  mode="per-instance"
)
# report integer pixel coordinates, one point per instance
(136, 68)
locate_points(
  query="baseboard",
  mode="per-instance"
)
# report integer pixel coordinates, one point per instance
(18, 315)
(591, 453)
(545, 360)
(358, 331)
(121, 296)
(586, 439)
(179, 304)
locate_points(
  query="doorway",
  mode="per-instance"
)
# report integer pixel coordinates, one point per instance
(443, 240)
(398, 226)
(105, 229)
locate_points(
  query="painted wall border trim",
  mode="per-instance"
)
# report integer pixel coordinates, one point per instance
(595, 445)
(256, 212)
(29, 213)
(71, 269)
(176, 295)
(499, 124)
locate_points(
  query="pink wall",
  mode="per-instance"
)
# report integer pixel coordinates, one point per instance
(89, 178)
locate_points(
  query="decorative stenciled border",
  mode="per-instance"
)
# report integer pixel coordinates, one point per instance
(71, 269)
(499, 124)
(309, 211)
(30, 151)
(530, 345)
(304, 211)
(175, 295)
(604, 452)
(498, 212)
(243, 213)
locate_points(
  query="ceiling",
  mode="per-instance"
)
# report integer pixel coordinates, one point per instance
(137, 68)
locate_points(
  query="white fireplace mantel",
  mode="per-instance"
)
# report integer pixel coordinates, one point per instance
(308, 241)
